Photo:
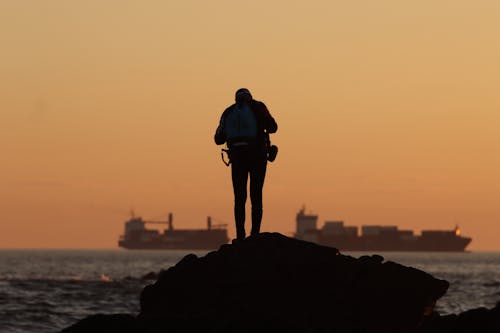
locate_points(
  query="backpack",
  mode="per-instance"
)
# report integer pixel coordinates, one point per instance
(240, 124)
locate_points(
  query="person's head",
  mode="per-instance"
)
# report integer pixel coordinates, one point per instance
(242, 95)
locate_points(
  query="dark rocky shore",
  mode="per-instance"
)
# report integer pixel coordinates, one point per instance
(272, 283)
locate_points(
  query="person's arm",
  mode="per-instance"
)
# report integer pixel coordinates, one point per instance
(268, 121)
(220, 136)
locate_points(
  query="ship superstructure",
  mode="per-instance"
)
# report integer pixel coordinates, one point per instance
(377, 237)
(137, 236)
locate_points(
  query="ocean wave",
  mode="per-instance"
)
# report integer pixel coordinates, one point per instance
(4, 281)
(43, 305)
(492, 284)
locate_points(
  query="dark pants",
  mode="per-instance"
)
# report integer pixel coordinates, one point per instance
(246, 162)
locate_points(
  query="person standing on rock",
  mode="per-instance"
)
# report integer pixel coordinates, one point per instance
(245, 127)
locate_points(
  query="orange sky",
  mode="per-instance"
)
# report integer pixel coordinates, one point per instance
(388, 113)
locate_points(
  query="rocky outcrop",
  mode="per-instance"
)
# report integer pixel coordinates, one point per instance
(480, 320)
(123, 323)
(274, 283)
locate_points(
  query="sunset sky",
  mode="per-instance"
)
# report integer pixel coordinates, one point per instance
(388, 113)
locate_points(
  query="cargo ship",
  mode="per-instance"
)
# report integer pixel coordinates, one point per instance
(377, 237)
(137, 236)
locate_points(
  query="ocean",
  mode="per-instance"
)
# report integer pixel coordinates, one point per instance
(47, 290)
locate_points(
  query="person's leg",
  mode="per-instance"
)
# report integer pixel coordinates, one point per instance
(257, 175)
(239, 173)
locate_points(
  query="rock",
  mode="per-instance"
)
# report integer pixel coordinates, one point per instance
(270, 280)
(480, 320)
(116, 323)
(150, 276)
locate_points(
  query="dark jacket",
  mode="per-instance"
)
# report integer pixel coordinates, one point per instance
(265, 123)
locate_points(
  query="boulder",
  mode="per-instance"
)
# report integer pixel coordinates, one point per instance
(277, 283)
(116, 323)
(480, 320)
(150, 276)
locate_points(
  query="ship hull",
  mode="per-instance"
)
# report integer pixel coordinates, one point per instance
(457, 244)
(131, 245)
(178, 240)
(162, 246)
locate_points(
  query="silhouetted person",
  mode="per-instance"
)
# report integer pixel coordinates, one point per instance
(245, 127)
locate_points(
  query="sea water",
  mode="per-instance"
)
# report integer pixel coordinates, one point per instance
(47, 290)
